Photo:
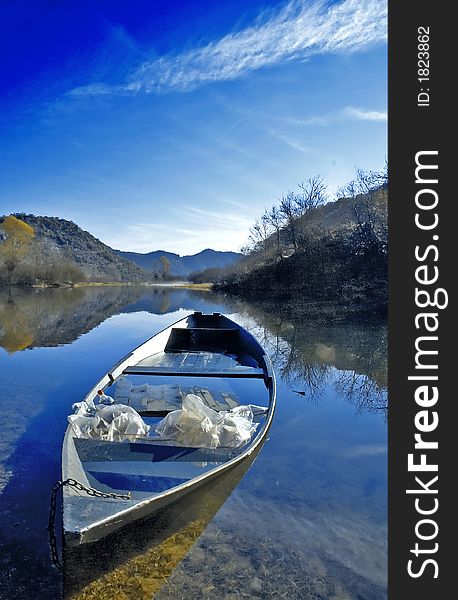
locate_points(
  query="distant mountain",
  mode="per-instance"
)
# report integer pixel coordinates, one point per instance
(62, 241)
(181, 266)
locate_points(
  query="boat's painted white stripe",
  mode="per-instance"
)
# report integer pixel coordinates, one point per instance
(181, 470)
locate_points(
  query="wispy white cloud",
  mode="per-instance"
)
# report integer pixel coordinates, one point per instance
(299, 30)
(364, 115)
(349, 113)
(94, 89)
(213, 218)
(204, 229)
(291, 142)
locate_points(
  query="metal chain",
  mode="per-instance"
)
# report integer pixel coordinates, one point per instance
(51, 528)
(53, 507)
(92, 491)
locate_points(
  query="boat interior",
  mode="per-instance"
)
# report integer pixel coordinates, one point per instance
(214, 363)
(153, 464)
(196, 359)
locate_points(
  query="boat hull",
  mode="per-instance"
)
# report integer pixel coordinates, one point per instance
(126, 517)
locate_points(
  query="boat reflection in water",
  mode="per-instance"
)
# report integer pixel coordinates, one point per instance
(139, 558)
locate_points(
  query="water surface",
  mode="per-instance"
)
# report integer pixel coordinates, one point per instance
(307, 521)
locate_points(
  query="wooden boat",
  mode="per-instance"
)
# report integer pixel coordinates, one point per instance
(113, 483)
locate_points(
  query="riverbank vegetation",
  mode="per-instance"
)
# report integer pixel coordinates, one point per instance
(51, 252)
(328, 257)
(24, 261)
(305, 249)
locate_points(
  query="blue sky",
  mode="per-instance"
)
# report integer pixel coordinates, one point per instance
(167, 125)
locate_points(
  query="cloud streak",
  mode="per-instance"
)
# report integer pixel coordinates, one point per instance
(298, 31)
(364, 115)
(203, 229)
(349, 113)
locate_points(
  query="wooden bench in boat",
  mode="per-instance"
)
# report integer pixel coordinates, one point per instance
(170, 371)
(196, 364)
(99, 450)
(203, 339)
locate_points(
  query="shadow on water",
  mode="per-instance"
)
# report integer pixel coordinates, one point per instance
(307, 522)
(140, 558)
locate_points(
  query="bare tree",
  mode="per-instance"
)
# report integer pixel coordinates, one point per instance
(165, 266)
(349, 190)
(313, 194)
(260, 233)
(366, 182)
(276, 222)
(370, 234)
(369, 181)
(289, 212)
(295, 205)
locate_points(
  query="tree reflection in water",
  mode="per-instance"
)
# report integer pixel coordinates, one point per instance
(363, 392)
(305, 352)
(308, 355)
(36, 318)
(15, 331)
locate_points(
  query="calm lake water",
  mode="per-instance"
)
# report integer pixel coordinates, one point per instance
(307, 521)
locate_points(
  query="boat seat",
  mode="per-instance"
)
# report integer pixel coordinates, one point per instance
(207, 339)
(98, 450)
(171, 371)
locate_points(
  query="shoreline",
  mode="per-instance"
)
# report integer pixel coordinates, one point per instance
(83, 284)
(171, 284)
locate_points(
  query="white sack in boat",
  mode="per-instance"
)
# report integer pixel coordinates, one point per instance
(236, 427)
(84, 408)
(123, 423)
(196, 424)
(84, 426)
(116, 422)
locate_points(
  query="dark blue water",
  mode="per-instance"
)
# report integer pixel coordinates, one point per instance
(308, 520)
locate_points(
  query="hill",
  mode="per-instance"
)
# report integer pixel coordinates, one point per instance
(60, 242)
(332, 257)
(181, 266)
(62, 251)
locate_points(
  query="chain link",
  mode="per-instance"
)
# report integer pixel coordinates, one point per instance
(92, 491)
(53, 508)
(51, 528)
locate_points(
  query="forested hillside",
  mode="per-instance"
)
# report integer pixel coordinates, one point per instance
(316, 252)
